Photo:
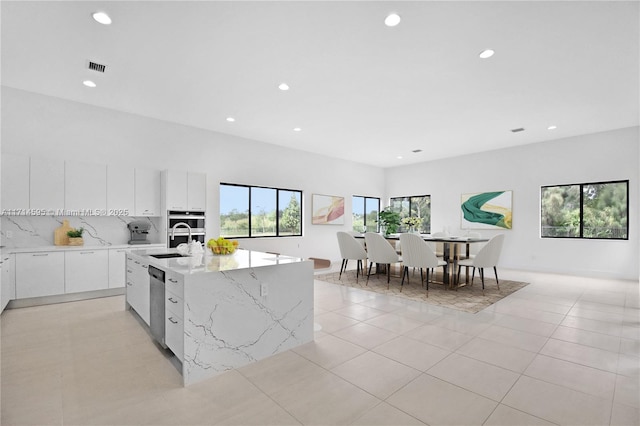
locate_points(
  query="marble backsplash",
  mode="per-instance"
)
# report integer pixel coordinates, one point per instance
(37, 231)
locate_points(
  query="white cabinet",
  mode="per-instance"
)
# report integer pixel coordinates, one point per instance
(39, 274)
(85, 187)
(8, 280)
(184, 190)
(46, 184)
(15, 182)
(196, 191)
(117, 265)
(147, 192)
(120, 191)
(86, 270)
(174, 313)
(138, 286)
(176, 190)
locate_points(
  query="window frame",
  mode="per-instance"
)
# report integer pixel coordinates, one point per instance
(409, 197)
(581, 228)
(277, 204)
(364, 213)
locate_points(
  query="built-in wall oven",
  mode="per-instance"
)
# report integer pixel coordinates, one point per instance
(195, 221)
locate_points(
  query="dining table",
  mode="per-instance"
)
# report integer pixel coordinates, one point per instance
(451, 253)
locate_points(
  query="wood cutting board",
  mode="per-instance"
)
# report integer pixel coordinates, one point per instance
(60, 237)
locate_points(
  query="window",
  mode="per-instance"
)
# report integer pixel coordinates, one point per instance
(414, 206)
(365, 213)
(587, 210)
(255, 211)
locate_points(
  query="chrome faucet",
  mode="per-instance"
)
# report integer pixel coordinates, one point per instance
(173, 230)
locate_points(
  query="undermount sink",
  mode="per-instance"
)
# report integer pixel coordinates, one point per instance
(166, 255)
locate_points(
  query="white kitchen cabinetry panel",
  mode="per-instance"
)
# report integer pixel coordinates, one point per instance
(147, 192)
(46, 184)
(196, 191)
(117, 268)
(138, 287)
(8, 280)
(15, 182)
(86, 270)
(120, 191)
(176, 190)
(85, 187)
(39, 274)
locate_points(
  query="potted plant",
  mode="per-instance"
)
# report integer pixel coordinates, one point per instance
(389, 221)
(75, 237)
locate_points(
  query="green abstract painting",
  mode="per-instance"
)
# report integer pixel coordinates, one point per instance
(487, 210)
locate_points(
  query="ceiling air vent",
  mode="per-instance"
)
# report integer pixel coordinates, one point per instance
(521, 129)
(96, 66)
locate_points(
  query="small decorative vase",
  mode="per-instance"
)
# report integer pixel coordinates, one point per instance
(76, 241)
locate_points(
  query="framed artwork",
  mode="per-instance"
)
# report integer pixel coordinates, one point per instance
(487, 210)
(327, 210)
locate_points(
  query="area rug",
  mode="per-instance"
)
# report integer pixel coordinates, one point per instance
(468, 298)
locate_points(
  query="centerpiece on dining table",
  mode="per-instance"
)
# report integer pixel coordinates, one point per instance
(413, 223)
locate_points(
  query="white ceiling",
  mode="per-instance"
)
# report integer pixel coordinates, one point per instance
(359, 90)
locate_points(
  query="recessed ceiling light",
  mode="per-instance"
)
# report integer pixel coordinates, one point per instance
(102, 18)
(392, 20)
(89, 83)
(231, 119)
(297, 129)
(552, 127)
(283, 86)
(486, 53)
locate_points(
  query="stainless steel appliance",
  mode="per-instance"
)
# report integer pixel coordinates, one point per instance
(156, 304)
(139, 230)
(195, 227)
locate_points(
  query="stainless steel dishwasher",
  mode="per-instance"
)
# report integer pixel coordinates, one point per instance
(156, 304)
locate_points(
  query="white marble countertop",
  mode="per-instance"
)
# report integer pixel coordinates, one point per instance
(207, 262)
(8, 250)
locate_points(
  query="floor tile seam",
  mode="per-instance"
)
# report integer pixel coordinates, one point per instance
(615, 391)
(385, 402)
(580, 364)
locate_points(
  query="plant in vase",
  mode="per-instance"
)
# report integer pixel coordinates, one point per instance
(412, 223)
(389, 221)
(75, 237)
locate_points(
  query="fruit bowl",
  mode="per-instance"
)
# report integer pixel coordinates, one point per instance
(222, 246)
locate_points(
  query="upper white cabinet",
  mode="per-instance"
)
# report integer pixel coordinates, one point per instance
(15, 182)
(120, 191)
(196, 191)
(85, 187)
(46, 178)
(176, 185)
(147, 192)
(185, 190)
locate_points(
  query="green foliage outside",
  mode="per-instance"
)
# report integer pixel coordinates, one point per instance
(604, 211)
(263, 223)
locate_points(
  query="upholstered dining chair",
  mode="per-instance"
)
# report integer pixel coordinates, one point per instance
(381, 252)
(487, 257)
(416, 253)
(351, 249)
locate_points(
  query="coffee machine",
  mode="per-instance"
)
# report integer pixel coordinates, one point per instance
(139, 230)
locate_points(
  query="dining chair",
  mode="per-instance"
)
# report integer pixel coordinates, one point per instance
(350, 248)
(379, 251)
(416, 253)
(487, 257)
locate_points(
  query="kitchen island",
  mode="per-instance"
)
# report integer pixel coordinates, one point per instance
(223, 312)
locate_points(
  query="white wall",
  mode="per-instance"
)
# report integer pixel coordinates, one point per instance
(591, 158)
(34, 124)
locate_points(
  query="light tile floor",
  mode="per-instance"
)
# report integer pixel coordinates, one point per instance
(563, 350)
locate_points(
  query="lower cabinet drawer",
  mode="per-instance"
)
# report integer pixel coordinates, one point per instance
(174, 334)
